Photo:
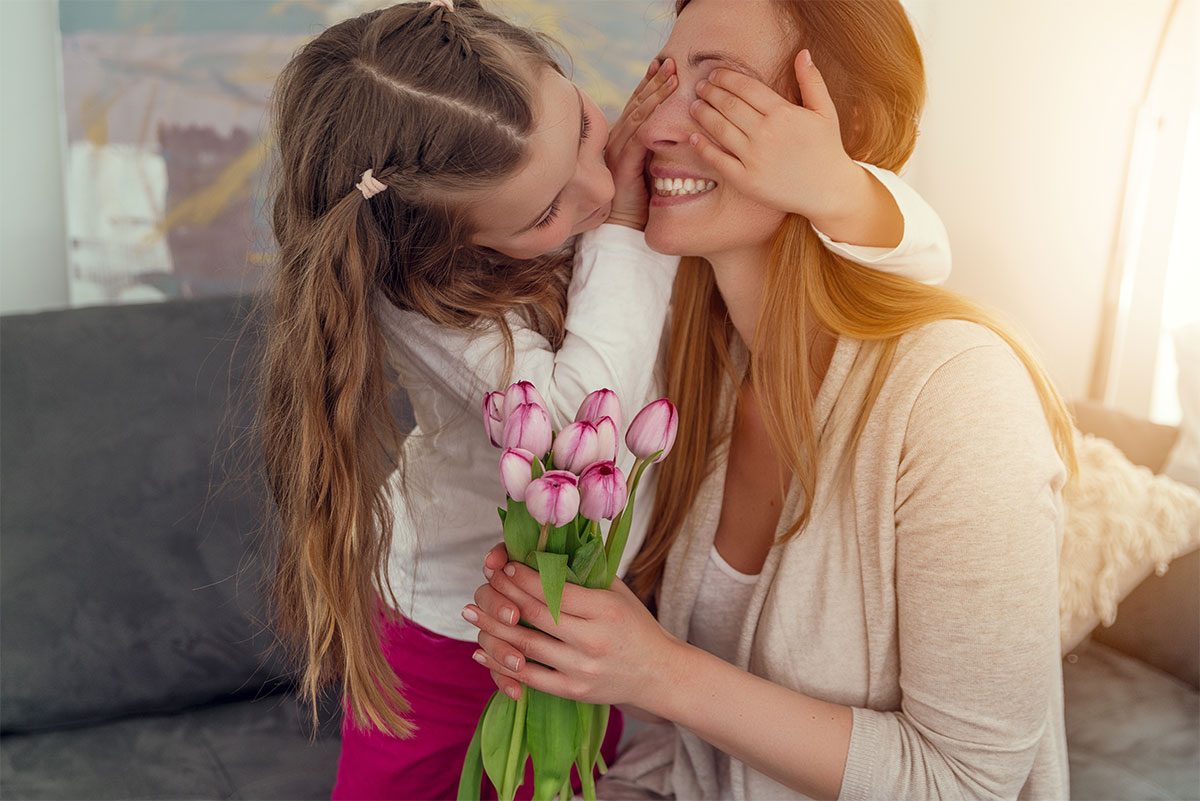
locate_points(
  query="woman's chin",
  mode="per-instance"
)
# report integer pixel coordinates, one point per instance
(670, 240)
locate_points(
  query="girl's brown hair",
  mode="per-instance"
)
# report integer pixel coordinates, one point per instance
(439, 104)
(871, 63)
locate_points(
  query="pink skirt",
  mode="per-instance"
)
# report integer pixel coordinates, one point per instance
(448, 691)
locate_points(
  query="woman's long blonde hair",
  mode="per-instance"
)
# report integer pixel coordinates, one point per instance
(871, 62)
(437, 103)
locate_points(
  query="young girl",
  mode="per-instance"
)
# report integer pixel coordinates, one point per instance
(434, 167)
(905, 644)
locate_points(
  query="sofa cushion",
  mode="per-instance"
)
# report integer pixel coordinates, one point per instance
(1133, 732)
(124, 579)
(244, 749)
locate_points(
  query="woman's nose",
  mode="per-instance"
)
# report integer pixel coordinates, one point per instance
(669, 124)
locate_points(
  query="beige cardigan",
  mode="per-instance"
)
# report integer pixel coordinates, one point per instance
(923, 593)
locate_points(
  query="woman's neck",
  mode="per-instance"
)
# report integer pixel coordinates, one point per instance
(740, 278)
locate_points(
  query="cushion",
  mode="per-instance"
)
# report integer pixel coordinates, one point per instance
(1121, 523)
(125, 579)
(1131, 730)
(246, 749)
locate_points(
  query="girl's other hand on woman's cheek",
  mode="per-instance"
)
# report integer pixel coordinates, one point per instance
(781, 155)
(626, 156)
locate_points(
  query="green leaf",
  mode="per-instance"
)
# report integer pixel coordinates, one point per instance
(496, 737)
(584, 562)
(583, 758)
(559, 537)
(618, 533)
(552, 567)
(520, 531)
(553, 741)
(537, 468)
(503, 513)
(471, 779)
(600, 715)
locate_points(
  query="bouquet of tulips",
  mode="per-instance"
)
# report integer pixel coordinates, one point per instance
(559, 488)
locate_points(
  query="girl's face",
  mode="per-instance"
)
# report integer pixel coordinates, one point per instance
(743, 35)
(564, 187)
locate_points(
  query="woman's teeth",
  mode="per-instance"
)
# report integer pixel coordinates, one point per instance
(671, 187)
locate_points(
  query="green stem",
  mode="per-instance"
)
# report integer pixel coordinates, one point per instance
(545, 535)
(509, 785)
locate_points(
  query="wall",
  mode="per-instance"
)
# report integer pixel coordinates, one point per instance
(1023, 148)
(33, 261)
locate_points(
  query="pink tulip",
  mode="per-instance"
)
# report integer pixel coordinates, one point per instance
(528, 427)
(519, 393)
(516, 471)
(653, 429)
(600, 404)
(493, 417)
(610, 439)
(602, 491)
(576, 447)
(553, 499)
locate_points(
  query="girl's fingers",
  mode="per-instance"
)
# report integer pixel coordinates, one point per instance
(719, 129)
(624, 130)
(761, 97)
(724, 164)
(814, 94)
(731, 107)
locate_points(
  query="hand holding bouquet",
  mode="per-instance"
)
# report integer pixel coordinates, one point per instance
(559, 490)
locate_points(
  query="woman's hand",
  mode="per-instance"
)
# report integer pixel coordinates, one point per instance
(626, 156)
(606, 648)
(782, 155)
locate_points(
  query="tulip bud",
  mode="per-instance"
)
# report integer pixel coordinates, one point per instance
(528, 427)
(516, 471)
(519, 393)
(576, 447)
(493, 417)
(653, 429)
(610, 439)
(602, 491)
(553, 499)
(601, 403)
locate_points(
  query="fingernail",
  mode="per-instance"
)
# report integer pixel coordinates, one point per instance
(694, 139)
(513, 693)
(488, 572)
(703, 83)
(807, 57)
(510, 570)
(479, 657)
(513, 663)
(510, 616)
(470, 615)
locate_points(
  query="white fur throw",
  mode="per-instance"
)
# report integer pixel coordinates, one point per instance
(1122, 522)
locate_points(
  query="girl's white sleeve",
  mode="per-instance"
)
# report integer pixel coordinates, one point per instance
(616, 308)
(924, 250)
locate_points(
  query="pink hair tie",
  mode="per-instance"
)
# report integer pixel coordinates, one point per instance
(370, 186)
(446, 4)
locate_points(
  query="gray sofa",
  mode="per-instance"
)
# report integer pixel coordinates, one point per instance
(135, 658)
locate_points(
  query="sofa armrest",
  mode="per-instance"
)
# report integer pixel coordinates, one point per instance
(1159, 622)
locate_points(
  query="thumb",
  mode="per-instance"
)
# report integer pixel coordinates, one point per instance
(814, 95)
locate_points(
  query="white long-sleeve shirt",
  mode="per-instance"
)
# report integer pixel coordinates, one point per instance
(617, 304)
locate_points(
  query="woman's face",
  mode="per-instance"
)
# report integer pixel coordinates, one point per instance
(743, 35)
(564, 187)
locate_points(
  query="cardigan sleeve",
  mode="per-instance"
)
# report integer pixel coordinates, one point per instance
(977, 533)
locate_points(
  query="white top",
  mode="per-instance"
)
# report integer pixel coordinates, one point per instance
(716, 625)
(617, 306)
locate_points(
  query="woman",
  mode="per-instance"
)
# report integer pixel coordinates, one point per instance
(434, 168)
(855, 567)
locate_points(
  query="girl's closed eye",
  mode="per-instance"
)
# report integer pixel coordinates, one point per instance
(585, 129)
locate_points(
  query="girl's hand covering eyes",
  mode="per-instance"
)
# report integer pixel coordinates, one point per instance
(626, 156)
(781, 155)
